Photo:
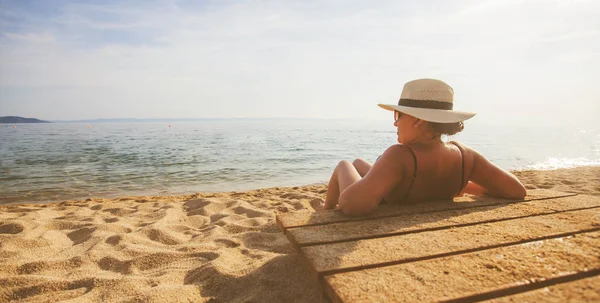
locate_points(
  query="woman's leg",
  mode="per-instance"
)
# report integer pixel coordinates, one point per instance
(344, 175)
(362, 166)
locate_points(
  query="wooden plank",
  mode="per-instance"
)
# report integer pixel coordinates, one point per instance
(354, 255)
(355, 230)
(583, 290)
(495, 271)
(297, 219)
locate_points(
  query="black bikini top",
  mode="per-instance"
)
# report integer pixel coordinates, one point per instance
(462, 177)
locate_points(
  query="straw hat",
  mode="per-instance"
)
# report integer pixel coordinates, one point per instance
(429, 100)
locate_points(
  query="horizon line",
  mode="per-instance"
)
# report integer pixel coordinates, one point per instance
(101, 120)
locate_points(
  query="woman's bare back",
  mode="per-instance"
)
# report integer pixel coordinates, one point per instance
(440, 173)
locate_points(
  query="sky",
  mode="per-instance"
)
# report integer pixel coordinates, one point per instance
(511, 61)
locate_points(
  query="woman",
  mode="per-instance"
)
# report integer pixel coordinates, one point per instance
(421, 167)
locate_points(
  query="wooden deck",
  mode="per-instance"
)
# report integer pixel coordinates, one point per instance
(545, 248)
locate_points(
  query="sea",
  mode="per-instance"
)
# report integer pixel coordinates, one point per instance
(42, 163)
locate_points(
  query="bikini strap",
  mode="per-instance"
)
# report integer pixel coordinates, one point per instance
(414, 174)
(415, 160)
(462, 158)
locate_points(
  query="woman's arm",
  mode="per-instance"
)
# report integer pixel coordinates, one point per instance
(365, 195)
(473, 189)
(487, 178)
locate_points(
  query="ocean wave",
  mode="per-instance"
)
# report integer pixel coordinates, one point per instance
(119, 159)
(556, 163)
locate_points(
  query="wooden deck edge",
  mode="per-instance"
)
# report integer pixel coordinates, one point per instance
(303, 258)
(502, 291)
(330, 293)
(453, 253)
(311, 268)
(369, 218)
(280, 224)
(293, 239)
(289, 236)
(508, 290)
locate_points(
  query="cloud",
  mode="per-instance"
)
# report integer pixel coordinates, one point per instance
(295, 58)
(487, 6)
(30, 37)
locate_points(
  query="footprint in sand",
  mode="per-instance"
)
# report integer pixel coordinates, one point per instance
(162, 236)
(204, 207)
(227, 243)
(11, 228)
(40, 266)
(298, 205)
(114, 240)
(111, 220)
(81, 235)
(317, 204)
(115, 265)
(119, 211)
(60, 290)
(96, 207)
(283, 209)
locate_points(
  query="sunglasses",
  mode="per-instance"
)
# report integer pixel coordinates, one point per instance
(397, 115)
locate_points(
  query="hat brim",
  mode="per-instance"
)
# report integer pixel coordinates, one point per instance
(431, 115)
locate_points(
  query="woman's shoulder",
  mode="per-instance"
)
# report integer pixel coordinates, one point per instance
(396, 158)
(398, 153)
(398, 149)
(458, 144)
(465, 148)
(462, 146)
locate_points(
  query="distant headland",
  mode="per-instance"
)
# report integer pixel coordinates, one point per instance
(15, 119)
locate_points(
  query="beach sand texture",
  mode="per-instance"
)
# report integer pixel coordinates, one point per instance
(205, 247)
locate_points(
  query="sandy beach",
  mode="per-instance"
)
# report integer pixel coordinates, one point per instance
(203, 247)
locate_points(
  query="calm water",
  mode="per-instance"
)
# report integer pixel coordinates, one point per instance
(49, 162)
